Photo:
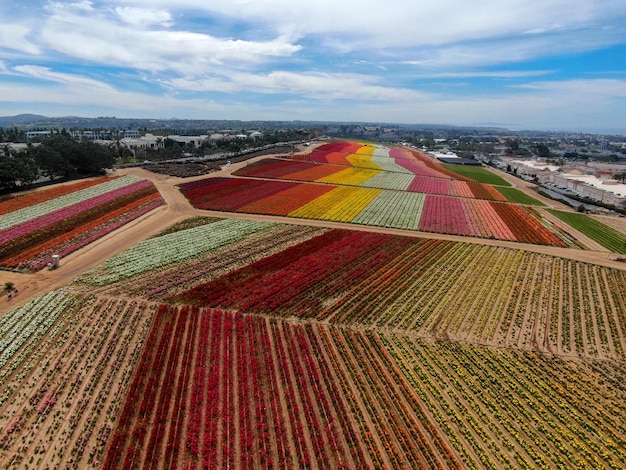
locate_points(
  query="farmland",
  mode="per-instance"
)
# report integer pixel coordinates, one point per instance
(368, 177)
(63, 220)
(519, 197)
(381, 187)
(608, 237)
(376, 207)
(476, 174)
(231, 340)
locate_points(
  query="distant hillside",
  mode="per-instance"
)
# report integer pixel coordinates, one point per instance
(38, 121)
(20, 119)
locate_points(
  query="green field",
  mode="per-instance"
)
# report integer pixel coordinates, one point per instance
(606, 236)
(519, 197)
(477, 173)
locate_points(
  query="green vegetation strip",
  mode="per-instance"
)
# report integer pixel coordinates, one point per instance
(518, 197)
(191, 222)
(477, 173)
(606, 236)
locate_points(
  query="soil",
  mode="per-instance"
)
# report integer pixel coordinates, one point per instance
(188, 169)
(183, 169)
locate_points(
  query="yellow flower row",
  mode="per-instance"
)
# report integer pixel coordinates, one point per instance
(364, 161)
(349, 176)
(340, 205)
(366, 149)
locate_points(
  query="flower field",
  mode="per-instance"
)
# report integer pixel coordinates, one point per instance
(162, 251)
(239, 343)
(375, 157)
(374, 178)
(218, 389)
(433, 288)
(63, 219)
(11, 204)
(230, 343)
(65, 364)
(375, 207)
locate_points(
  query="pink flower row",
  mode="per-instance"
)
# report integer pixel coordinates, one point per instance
(463, 217)
(70, 211)
(98, 232)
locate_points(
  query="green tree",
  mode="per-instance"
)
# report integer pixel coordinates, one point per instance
(541, 150)
(13, 134)
(51, 162)
(8, 174)
(17, 169)
(81, 158)
(512, 145)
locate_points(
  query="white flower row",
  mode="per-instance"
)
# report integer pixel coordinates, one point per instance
(393, 209)
(389, 164)
(35, 319)
(386, 180)
(381, 151)
(172, 248)
(23, 215)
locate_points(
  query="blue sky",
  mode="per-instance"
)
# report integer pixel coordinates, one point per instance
(521, 64)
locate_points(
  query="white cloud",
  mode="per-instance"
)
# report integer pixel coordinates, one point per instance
(567, 105)
(45, 73)
(55, 6)
(142, 17)
(76, 95)
(488, 74)
(431, 35)
(324, 86)
(307, 52)
(145, 34)
(582, 89)
(407, 23)
(99, 39)
(14, 36)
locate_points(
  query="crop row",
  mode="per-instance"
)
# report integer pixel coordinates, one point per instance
(374, 157)
(501, 411)
(300, 278)
(15, 203)
(31, 243)
(28, 213)
(606, 236)
(178, 277)
(218, 389)
(64, 238)
(61, 391)
(437, 288)
(22, 328)
(156, 253)
(222, 389)
(440, 214)
(72, 214)
(368, 177)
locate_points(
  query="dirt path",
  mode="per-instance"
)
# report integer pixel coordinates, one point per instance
(177, 208)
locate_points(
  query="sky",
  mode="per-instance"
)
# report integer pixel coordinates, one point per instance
(520, 64)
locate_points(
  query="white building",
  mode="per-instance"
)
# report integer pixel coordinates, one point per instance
(196, 140)
(32, 134)
(147, 141)
(603, 190)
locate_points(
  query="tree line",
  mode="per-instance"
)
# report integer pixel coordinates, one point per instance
(58, 156)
